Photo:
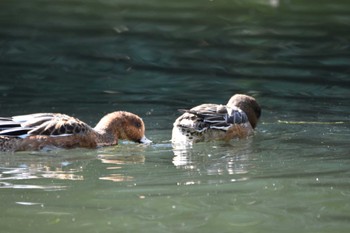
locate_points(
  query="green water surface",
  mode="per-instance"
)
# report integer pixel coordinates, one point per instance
(88, 58)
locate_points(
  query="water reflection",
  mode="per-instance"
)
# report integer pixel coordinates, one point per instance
(25, 171)
(115, 163)
(232, 160)
(35, 171)
(117, 159)
(17, 170)
(70, 165)
(26, 186)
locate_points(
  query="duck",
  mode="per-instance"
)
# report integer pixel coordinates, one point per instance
(40, 131)
(210, 122)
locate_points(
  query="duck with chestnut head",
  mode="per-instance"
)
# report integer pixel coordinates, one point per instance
(50, 130)
(206, 122)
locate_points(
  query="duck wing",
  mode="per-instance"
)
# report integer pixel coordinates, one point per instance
(50, 124)
(212, 116)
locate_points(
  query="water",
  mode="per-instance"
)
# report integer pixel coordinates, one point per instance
(88, 58)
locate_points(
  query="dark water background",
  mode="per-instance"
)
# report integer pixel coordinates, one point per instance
(88, 58)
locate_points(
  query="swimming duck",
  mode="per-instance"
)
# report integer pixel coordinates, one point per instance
(51, 130)
(206, 122)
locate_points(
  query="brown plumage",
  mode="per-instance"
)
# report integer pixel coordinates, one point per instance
(206, 122)
(46, 130)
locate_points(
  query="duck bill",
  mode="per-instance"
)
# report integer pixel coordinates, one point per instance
(145, 140)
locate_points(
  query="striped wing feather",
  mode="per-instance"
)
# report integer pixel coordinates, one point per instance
(41, 124)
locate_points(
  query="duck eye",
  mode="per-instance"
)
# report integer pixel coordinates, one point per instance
(138, 124)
